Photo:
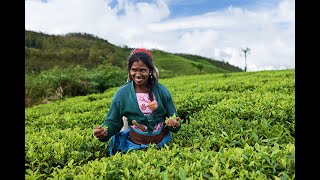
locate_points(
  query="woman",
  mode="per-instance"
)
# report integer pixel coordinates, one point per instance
(146, 104)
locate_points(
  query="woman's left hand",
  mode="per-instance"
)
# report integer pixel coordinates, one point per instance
(173, 122)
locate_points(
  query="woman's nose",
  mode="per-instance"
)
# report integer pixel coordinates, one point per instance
(138, 73)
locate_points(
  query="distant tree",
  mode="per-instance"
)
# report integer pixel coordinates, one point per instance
(198, 66)
(245, 51)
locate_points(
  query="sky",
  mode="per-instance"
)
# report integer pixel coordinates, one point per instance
(216, 29)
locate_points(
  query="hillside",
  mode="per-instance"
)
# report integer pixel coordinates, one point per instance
(43, 52)
(237, 126)
(78, 64)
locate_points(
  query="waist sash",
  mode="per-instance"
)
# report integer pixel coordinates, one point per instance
(144, 138)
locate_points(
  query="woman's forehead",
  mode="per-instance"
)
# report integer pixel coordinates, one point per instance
(139, 64)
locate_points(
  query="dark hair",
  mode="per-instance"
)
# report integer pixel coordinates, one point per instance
(146, 59)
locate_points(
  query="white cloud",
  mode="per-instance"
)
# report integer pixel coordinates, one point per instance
(269, 33)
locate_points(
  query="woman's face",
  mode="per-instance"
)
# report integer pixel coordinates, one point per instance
(139, 73)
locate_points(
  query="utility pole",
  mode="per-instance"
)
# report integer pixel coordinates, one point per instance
(246, 50)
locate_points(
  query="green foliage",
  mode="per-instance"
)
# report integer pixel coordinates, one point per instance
(219, 64)
(198, 66)
(237, 126)
(56, 83)
(47, 56)
(107, 77)
(43, 52)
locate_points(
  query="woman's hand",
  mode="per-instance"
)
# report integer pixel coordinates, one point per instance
(99, 132)
(173, 122)
(138, 126)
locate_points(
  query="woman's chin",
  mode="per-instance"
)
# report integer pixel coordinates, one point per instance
(139, 82)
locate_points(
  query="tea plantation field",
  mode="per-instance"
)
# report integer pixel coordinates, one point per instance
(237, 126)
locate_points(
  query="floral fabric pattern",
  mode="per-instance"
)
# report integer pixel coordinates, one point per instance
(146, 107)
(144, 101)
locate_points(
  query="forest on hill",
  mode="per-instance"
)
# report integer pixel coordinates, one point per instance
(75, 64)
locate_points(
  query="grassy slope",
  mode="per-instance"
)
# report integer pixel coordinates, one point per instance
(171, 65)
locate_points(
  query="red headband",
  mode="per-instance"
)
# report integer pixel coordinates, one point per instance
(141, 50)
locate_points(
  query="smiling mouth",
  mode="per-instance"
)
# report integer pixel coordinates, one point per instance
(139, 79)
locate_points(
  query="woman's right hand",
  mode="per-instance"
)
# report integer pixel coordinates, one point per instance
(100, 132)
